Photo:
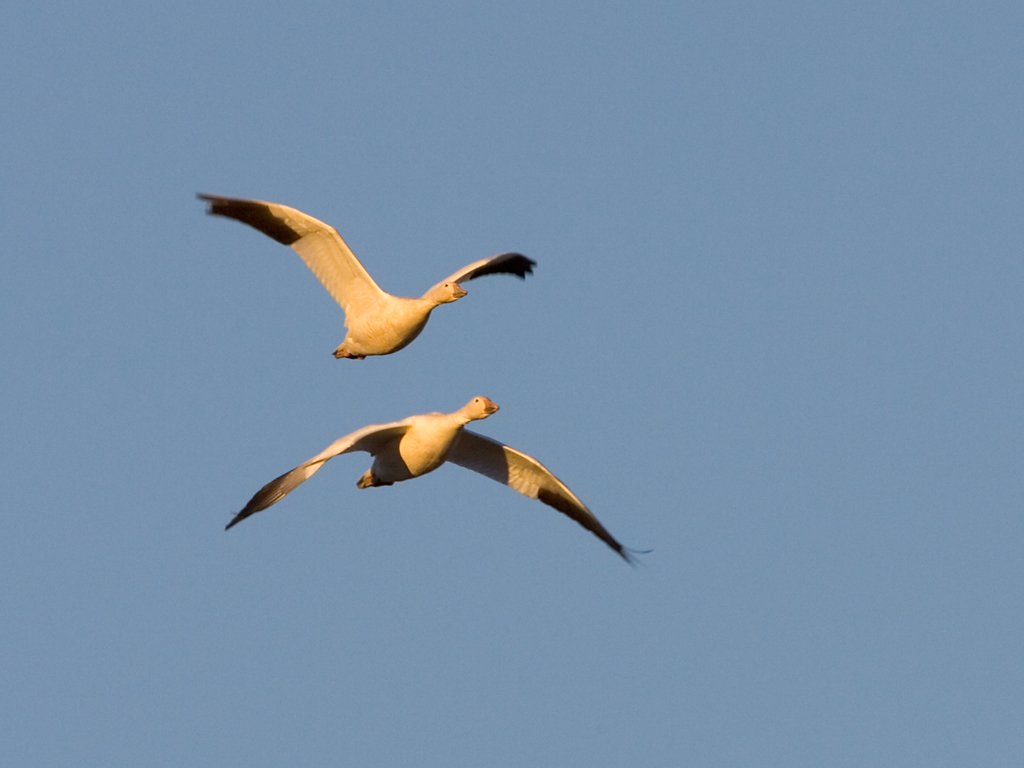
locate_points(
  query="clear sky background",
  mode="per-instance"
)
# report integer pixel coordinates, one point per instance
(774, 334)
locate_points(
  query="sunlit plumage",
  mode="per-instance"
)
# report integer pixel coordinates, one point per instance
(377, 322)
(417, 445)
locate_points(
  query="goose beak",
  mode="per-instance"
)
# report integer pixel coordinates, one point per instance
(491, 407)
(459, 291)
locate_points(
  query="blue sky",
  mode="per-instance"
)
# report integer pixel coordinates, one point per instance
(774, 334)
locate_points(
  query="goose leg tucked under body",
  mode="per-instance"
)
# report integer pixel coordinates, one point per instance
(377, 322)
(420, 444)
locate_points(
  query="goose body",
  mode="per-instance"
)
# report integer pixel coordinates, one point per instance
(420, 444)
(377, 322)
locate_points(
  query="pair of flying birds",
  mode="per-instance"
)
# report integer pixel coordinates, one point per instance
(378, 323)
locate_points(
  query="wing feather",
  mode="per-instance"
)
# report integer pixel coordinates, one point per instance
(525, 474)
(321, 247)
(370, 439)
(504, 263)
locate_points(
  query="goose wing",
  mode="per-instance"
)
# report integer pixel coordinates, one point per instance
(319, 244)
(525, 474)
(504, 263)
(370, 439)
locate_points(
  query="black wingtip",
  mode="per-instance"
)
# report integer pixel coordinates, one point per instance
(505, 264)
(521, 265)
(236, 520)
(208, 199)
(256, 213)
(214, 203)
(630, 555)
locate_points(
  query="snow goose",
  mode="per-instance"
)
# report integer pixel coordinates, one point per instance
(377, 323)
(420, 444)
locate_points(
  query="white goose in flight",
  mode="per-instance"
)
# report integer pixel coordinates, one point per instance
(420, 444)
(377, 323)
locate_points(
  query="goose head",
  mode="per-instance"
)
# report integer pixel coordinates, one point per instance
(479, 407)
(445, 293)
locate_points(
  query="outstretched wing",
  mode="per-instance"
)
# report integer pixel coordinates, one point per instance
(319, 244)
(371, 439)
(531, 478)
(504, 263)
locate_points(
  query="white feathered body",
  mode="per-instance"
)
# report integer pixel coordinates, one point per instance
(422, 449)
(392, 324)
